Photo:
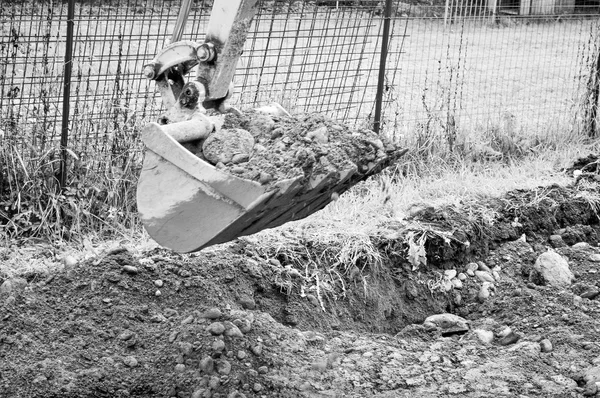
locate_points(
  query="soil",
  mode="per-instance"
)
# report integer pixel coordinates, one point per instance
(240, 321)
(269, 149)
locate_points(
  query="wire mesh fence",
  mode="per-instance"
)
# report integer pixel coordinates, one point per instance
(463, 65)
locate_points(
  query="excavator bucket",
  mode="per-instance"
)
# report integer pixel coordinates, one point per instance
(187, 204)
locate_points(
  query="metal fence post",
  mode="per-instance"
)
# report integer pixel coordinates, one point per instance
(64, 136)
(382, 61)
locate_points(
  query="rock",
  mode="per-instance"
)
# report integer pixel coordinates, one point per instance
(130, 269)
(186, 348)
(39, 379)
(526, 346)
(158, 283)
(472, 267)
(482, 267)
(158, 318)
(130, 361)
(179, 368)
(484, 292)
(199, 393)
(546, 345)
(456, 283)
(212, 313)
(207, 365)
(581, 246)
(553, 269)
(216, 328)
(320, 135)
(511, 338)
(557, 241)
(591, 293)
(257, 387)
(245, 325)
(157, 293)
(257, 349)
(592, 374)
(450, 273)
(504, 332)
(461, 277)
(263, 370)
(449, 323)
(241, 354)
(261, 123)
(223, 145)
(223, 367)
(233, 331)
(590, 389)
(218, 345)
(69, 261)
(484, 276)
(595, 258)
(567, 382)
(13, 285)
(126, 335)
(470, 272)
(247, 302)
(485, 336)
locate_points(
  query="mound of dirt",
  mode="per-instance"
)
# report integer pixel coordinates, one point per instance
(268, 148)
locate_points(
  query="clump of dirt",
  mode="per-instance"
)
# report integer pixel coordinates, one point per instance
(285, 147)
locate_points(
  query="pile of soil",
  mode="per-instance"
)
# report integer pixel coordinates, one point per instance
(268, 148)
(225, 322)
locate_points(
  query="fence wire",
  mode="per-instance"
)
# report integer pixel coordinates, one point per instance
(462, 65)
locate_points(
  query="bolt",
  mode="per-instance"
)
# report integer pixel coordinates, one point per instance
(149, 71)
(206, 52)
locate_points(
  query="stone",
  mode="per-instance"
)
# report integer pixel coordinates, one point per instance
(484, 276)
(257, 387)
(218, 345)
(447, 322)
(482, 267)
(212, 313)
(223, 145)
(13, 285)
(546, 345)
(553, 269)
(179, 368)
(223, 367)
(186, 348)
(247, 302)
(592, 374)
(484, 292)
(456, 283)
(320, 135)
(581, 246)
(595, 258)
(130, 361)
(557, 241)
(567, 382)
(207, 365)
(450, 273)
(526, 346)
(257, 349)
(590, 389)
(130, 269)
(472, 267)
(216, 328)
(461, 276)
(231, 330)
(188, 320)
(511, 338)
(485, 336)
(158, 283)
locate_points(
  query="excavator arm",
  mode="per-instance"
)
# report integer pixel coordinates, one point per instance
(185, 202)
